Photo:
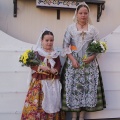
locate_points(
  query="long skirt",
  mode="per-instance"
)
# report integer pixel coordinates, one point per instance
(32, 109)
(101, 103)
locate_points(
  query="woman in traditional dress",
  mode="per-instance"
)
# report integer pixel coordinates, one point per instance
(82, 83)
(43, 100)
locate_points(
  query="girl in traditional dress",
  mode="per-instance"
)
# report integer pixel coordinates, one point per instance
(82, 83)
(43, 100)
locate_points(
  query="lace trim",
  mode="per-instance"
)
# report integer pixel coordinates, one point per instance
(81, 86)
(65, 51)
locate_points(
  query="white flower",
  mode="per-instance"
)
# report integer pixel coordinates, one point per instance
(94, 41)
(102, 47)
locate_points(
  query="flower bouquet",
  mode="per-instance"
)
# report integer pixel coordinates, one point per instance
(29, 58)
(94, 47)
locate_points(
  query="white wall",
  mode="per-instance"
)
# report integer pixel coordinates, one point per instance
(13, 77)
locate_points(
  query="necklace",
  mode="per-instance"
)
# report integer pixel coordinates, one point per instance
(81, 25)
(83, 35)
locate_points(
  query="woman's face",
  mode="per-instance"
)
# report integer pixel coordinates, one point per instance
(82, 14)
(47, 42)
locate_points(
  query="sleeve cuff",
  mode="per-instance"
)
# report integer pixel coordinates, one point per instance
(65, 51)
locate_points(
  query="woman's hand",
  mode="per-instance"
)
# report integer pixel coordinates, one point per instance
(89, 59)
(75, 63)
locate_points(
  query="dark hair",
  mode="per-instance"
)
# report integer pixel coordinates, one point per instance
(46, 33)
(82, 6)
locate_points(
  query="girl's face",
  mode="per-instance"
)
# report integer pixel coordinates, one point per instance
(82, 14)
(47, 42)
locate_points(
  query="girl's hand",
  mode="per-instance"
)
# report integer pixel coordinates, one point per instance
(44, 68)
(75, 63)
(89, 59)
(53, 71)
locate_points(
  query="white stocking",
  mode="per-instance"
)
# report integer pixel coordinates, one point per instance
(74, 115)
(82, 115)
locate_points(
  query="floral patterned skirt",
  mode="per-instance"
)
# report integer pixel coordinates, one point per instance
(32, 108)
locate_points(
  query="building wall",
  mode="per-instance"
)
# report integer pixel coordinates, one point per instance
(30, 20)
